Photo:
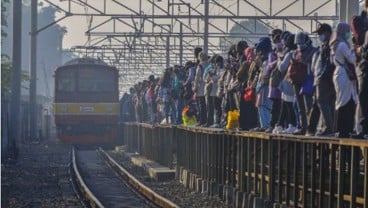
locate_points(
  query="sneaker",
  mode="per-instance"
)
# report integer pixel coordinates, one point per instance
(298, 132)
(309, 133)
(258, 129)
(290, 130)
(215, 126)
(325, 133)
(268, 130)
(277, 130)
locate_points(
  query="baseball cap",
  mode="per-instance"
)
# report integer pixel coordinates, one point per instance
(323, 28)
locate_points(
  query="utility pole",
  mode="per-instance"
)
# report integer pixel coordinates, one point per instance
(33, 70)
(206, 12)
(16, 78)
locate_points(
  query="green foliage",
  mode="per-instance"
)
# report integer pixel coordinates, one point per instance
(6, 75)
(4, 21)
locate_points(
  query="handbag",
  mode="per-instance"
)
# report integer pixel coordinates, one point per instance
(350, 69)
(249, 94)
(307, 87)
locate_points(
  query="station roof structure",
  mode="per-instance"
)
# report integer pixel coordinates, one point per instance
(143, 37)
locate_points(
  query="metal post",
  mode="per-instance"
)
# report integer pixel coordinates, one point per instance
(16, 78)
(352, 9)
(167, 51)
(205, 38)
(33, 69)
(181, 45)
(342, 11)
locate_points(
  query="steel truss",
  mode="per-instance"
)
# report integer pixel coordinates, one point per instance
(145, 36)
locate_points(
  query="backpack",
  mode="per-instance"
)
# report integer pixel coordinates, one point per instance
(327, 66)
(275, 76)
(359, 25)
(297, 71)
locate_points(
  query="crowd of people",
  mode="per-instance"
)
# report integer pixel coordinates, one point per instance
(282, 84)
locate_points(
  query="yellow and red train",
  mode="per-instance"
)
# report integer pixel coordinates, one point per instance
(86, 104)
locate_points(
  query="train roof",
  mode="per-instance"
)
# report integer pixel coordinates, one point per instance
(85, 60)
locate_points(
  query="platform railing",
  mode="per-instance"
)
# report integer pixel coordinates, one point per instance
(293, 171)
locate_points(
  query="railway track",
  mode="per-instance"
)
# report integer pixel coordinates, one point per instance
(101, 182)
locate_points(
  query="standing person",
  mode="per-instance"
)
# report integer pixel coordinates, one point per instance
(178, 92)
(198, 88)
(345, 86)
(359, 27)
(287, 115)
(134, 97)
(217, 100)
(209, 71)
(165, 95)
(263, 103)
(324, 97)
(275, 79)
(188, 77)
(303, 54)
(222, 92)
(363, 89)
(150, 97)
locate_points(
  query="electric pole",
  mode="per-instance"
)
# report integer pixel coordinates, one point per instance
(33, 70)
(16, 77)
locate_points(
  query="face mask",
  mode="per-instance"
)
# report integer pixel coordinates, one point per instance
(322, 38)
(347, 35)
(302, 46)
(277, 45)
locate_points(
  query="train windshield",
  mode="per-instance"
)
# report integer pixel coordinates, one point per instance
(95, 80)
(66, 81)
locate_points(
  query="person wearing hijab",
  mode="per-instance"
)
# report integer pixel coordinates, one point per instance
(263, 103)
(345, 87)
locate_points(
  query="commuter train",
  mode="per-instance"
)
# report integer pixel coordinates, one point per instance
(86, 103)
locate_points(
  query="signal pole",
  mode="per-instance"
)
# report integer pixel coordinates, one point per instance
(33, 70)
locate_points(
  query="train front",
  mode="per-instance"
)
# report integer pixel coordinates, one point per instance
(86, 103)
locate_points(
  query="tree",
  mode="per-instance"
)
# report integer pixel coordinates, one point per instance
(4, 21)
(6, 76)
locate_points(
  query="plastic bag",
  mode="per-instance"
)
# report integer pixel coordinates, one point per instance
(232, 119)
(188, 119)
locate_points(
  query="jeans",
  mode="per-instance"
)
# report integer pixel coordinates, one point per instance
(275, 111)
(304, 103)
(202, 110)
(264, 110)
(326, 103)
(287, 114)
(170, 110)
(210, 110)
(217, 106)
(179, 108)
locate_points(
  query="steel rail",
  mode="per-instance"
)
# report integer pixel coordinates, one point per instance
(140, 187)
(82, 187)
